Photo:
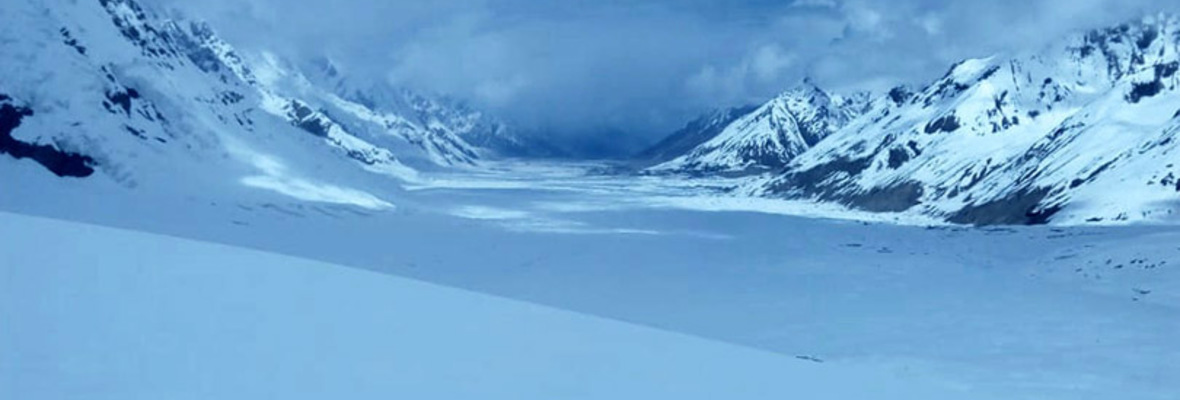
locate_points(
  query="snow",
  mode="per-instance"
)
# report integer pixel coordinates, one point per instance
(276, 176)
(387, 133)
(992, 313)
(542, 280)
(1070, 123)
(203, 99)
(768, 137)
(970, 69)
(112, 314)
(783, 207)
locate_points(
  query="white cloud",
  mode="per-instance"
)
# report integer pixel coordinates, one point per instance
(500, 92)
(815, 4)
(862, 17)
(770, 62)
(931, 23)
(767, 66)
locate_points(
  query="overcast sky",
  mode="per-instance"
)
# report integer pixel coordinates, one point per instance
(582, 66)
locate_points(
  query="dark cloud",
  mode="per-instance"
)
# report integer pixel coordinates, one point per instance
(581, 67)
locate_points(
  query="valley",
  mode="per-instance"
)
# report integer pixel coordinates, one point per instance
(1005, 231)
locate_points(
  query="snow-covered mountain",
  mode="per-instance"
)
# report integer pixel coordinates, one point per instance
(696, 133)
(446, 125)
(772, 135)
(1082, 131)
(113, 87)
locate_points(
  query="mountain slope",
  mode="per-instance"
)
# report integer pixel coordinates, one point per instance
(692, 135)
(142, 97)
(771, 136)
(1083, 131)
(448, 125)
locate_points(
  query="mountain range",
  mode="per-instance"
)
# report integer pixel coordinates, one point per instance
(1083, 131)
(117, 87)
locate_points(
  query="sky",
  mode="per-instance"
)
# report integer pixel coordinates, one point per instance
(583, 67)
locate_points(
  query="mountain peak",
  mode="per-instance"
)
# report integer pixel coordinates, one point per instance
(770, 136)
(806, 90)
(1016, 139)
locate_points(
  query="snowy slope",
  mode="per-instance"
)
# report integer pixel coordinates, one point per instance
(134, 98)
(438, 131)
(694, 134)
(1084, 131)
(1016, 313)
(112, 91)
(772, 135)
(433, 130)
(444, 127)
(430, 126)
(101, 318)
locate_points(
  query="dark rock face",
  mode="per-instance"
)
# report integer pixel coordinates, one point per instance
(1164, 71)
(809, 182)
(202, 57)
(1081, 181)
(1142, 90)
(898, 157)
(69, 40)
(137, 29)
(306, 119)
(63, 164)
(1021, 208)
(947, 124)
(120, 98)
(817, 183)
(948, 87)
(895, 198)
(900, 95)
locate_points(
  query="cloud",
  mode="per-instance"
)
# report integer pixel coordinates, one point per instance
(766, 66)
(769, 62)
(581, 67)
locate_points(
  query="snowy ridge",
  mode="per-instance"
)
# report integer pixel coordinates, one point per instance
(450, 132)
(694, 134)
(383, 111)
(286, 91)
(142, 98)
(771, 136)
(1081, 132)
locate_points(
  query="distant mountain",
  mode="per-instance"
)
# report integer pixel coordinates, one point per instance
(772, 135)
(692, 135)
(462, 125)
